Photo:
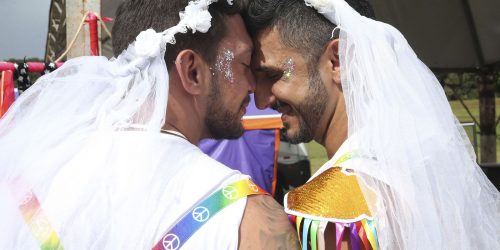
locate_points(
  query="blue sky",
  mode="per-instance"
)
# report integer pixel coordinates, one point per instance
(23, 28)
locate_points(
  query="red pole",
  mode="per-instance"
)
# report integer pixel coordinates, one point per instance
(32, 66)
(94, 35)
(7, 95)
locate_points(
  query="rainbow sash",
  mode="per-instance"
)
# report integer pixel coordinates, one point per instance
(42, 231)
(37, 221)
(203, 211)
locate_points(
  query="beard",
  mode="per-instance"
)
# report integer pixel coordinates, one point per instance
(309, 111)
(220, 121)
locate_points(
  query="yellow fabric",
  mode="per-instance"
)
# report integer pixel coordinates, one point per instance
(332, 194)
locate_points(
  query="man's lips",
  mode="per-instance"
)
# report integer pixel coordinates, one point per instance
(244, 105)
(244, 109)
(284, 108)
(286, 111)
(246, 101)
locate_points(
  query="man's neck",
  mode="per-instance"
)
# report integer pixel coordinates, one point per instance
(183, 118)
(336, 131)
(184, 133)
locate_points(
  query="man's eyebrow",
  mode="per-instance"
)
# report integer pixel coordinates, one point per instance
(267, 68)
(250, 48)
(247, 50)
(243, 48)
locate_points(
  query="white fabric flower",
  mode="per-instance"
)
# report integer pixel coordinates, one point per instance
(321, 5)
(148, 43)
(196, 17)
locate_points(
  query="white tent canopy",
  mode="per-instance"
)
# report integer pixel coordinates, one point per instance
(447, 34)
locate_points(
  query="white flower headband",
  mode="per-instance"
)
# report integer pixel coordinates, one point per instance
(322, 6)
(195, 17)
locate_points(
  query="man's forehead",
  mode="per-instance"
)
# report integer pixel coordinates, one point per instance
(238, 45)
(237, 37)
(269, 50)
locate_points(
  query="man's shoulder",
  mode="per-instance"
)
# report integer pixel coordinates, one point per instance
(192, 157)
(325, 196)
(210, 164)
(266, 226)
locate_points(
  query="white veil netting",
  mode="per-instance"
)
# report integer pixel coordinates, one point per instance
(72, 114)
(431, 194)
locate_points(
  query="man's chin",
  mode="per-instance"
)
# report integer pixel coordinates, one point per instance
(293, 138)
(297, 135)
(227, 132)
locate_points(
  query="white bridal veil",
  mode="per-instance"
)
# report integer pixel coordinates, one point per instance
(431, 193)
(69, 118)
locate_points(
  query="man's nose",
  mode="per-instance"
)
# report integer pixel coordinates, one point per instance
(264, 98)
(252, 83)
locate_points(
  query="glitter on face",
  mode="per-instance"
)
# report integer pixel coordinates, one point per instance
(224, 64)
(288, 68)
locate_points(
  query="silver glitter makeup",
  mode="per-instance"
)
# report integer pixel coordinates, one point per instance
(288, 68)
(224, 64)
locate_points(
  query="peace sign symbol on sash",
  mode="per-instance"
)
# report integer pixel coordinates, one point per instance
(171, 242)
(26, 198)
(230, 192)
(203, 211)
(252, 186)
(200, 214)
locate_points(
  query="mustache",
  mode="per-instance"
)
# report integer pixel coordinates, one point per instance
(245, 101)
(278, 104)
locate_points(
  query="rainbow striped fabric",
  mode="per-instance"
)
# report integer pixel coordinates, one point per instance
(42, 231)
(361, 233)
(37, 221)
(206, 209)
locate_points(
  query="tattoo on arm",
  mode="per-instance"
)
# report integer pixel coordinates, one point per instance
(271, 226)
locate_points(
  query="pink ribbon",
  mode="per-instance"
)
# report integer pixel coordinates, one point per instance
(339, 234)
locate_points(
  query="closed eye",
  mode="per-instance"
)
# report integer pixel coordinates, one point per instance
(274, 75)
(268, 74)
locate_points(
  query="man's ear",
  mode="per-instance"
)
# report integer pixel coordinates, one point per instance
(332, 55)
(191, 69)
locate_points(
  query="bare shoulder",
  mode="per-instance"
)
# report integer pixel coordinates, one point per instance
(265, 225)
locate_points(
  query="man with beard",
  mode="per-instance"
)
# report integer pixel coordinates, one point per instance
(291, 80)
(400, 174)
(210, 83)
(119, 168)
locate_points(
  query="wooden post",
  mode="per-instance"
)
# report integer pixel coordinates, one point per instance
(487, 117)
(56, 35)
(75, 10)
